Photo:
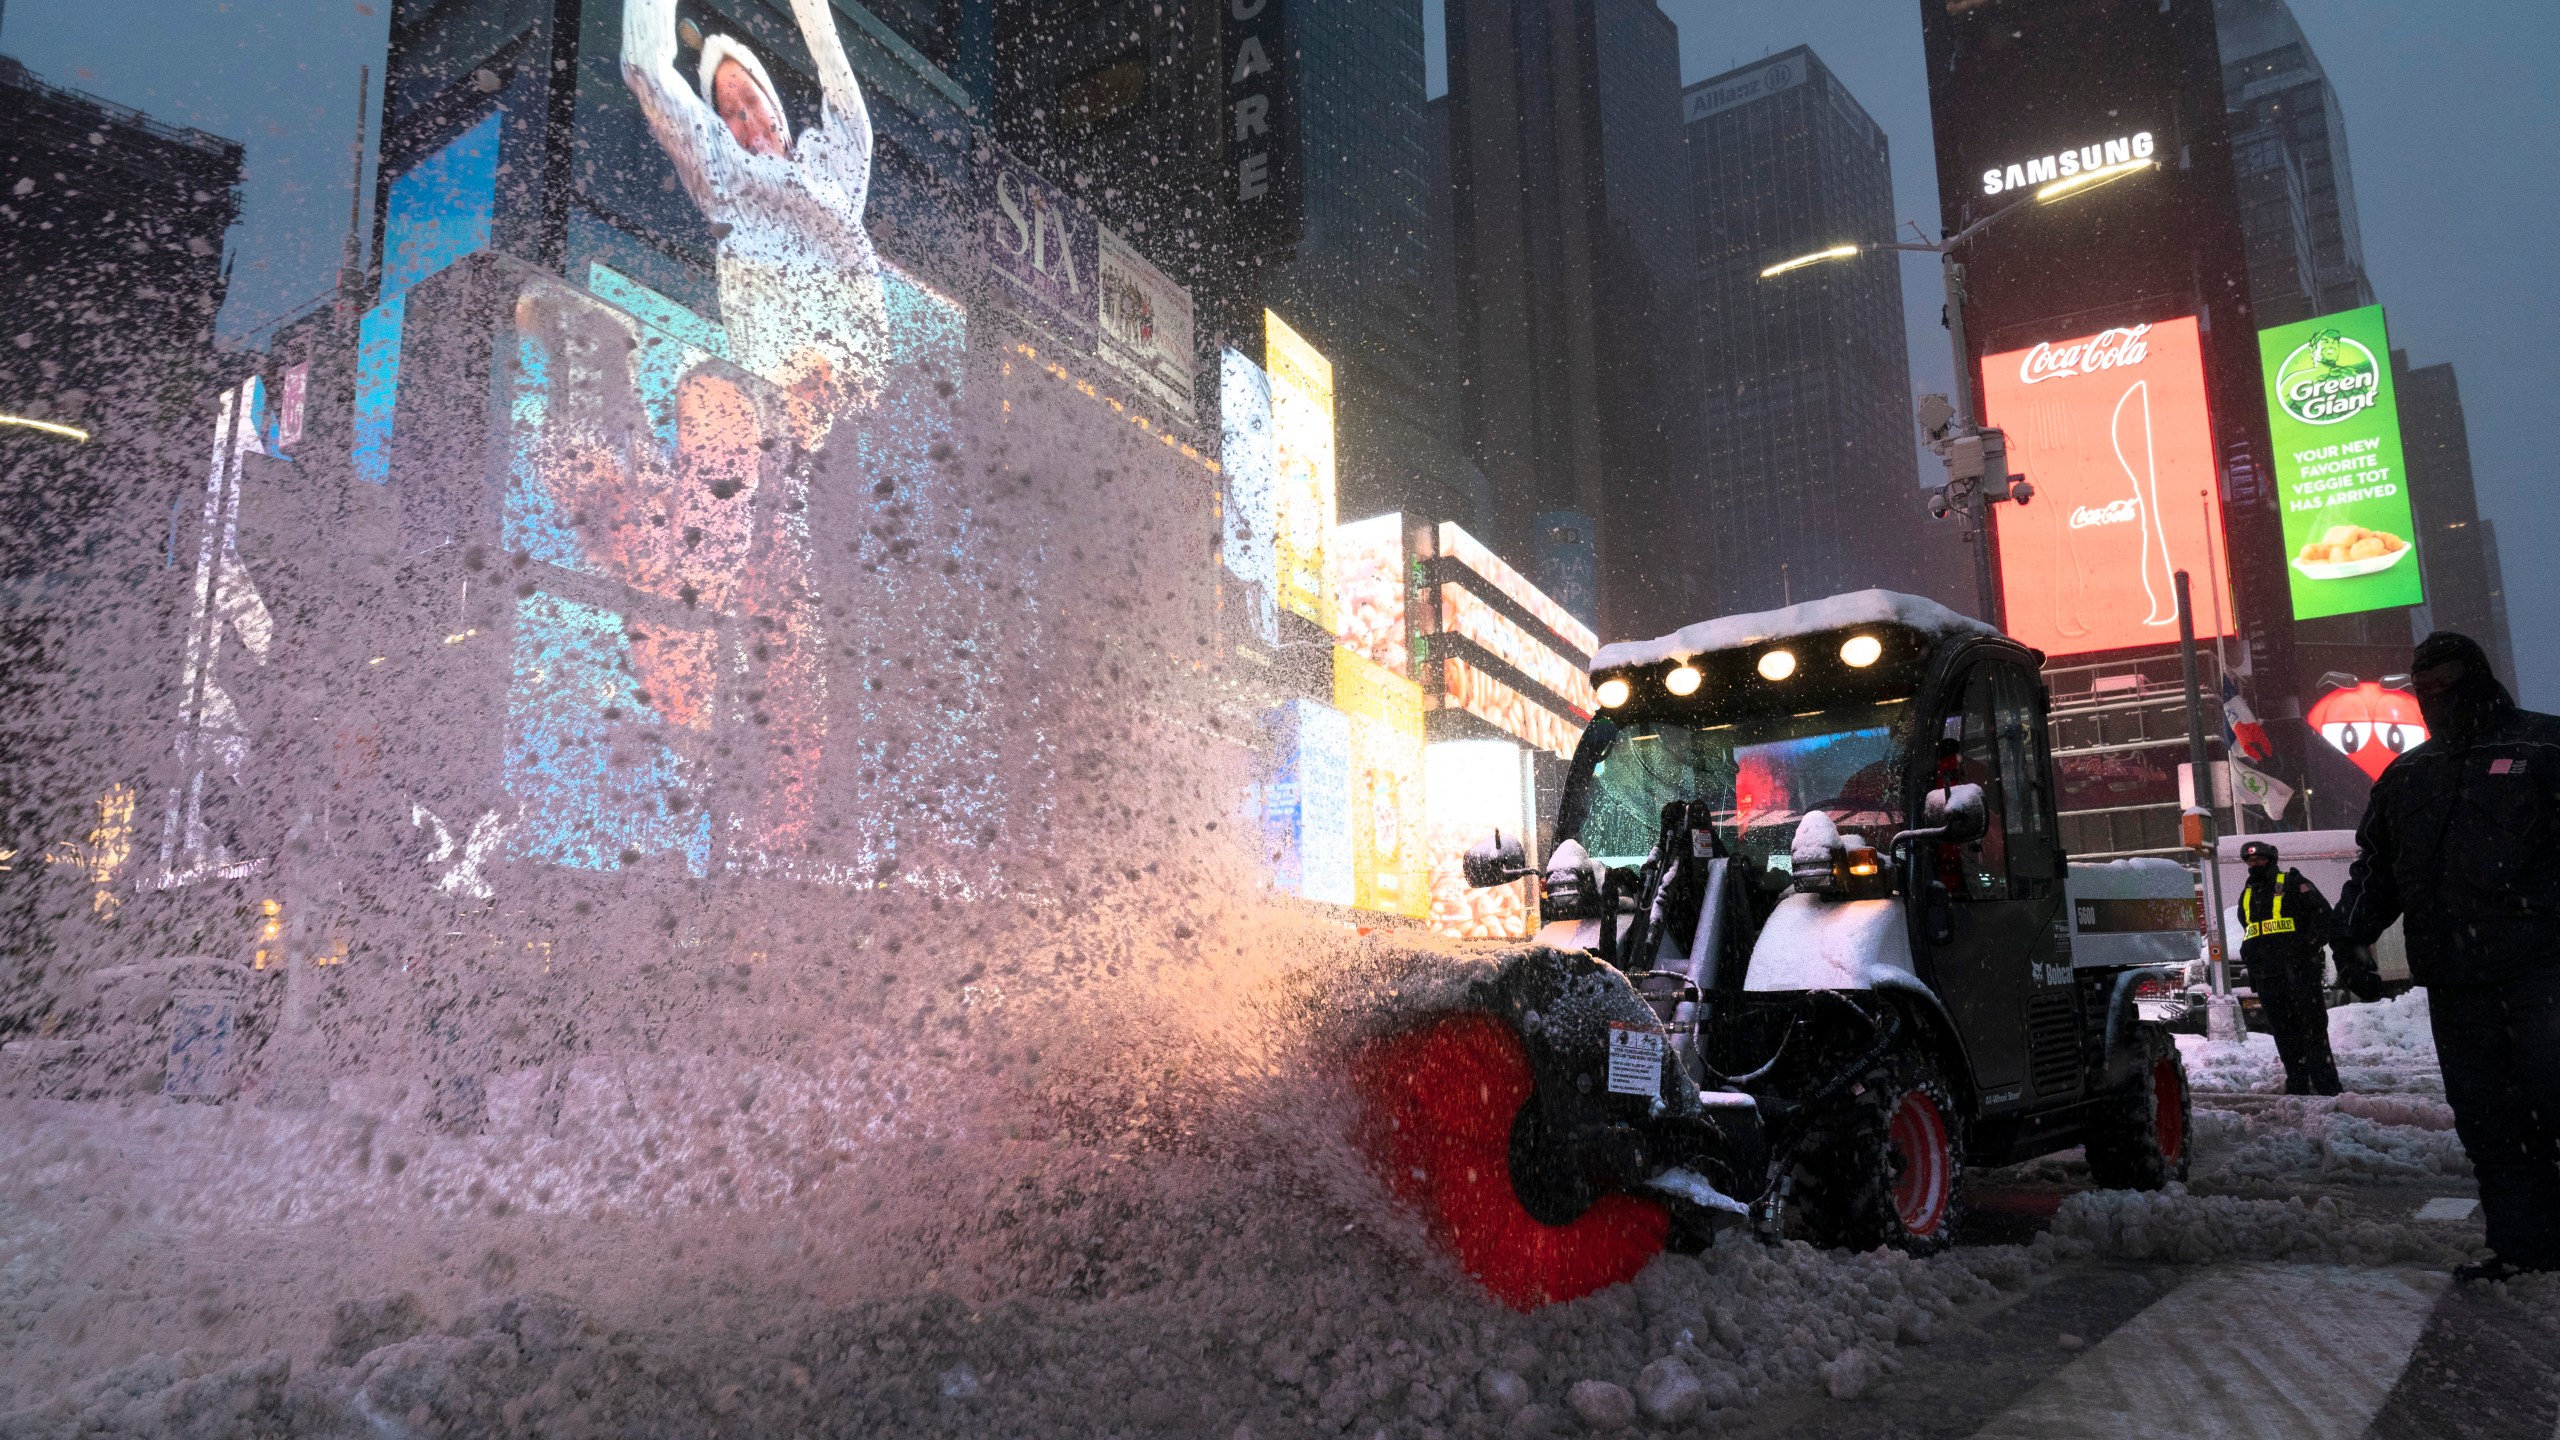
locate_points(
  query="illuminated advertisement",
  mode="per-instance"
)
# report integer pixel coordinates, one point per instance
(1367, 560)
(1391, 869)
(1462, 612)
(1302, 467)
(1465, 687)
(1471, 789)
(2370, 725)
(1467, 550)
(1306, 803)
(1146, 323)
(1042, 242)
(667, 709)
(439, 210)
(209, 828)
(1248, 539)
(2335, 424)
(2113, 430)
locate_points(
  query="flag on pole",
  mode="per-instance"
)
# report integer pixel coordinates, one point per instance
(2241, 732)
(2260, 788)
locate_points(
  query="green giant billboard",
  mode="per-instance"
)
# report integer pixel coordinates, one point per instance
(2336, 425)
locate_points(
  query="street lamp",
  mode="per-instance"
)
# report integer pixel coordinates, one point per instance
(1977, 459)
(45, 427)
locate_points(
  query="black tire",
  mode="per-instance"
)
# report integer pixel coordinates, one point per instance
(2143, 1134)
(1886, 1165)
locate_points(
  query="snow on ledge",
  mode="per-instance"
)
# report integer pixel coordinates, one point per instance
(1732, 632)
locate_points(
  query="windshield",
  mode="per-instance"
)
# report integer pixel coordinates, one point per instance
(1757, 776)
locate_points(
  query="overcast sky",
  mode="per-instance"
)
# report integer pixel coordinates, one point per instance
(2452, 111)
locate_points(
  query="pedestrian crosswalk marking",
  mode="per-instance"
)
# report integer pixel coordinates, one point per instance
(2448, 1207)
(2284, 1352)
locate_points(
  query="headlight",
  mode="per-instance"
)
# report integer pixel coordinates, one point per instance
(1860, 651)
(1683, 681)
(1613, 692)
(1777, 665)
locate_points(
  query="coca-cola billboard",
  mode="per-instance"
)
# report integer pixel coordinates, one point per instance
(2114, 431)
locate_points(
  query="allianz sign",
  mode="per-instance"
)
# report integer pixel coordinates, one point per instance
(2119, 151)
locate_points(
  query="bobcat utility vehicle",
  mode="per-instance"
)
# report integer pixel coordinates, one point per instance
(1812, 948)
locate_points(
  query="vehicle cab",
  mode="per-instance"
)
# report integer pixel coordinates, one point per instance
(1868, 711)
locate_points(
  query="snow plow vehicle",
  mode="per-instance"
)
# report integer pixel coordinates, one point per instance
(1811, 949)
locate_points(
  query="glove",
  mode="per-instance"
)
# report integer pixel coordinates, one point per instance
(2358, 973)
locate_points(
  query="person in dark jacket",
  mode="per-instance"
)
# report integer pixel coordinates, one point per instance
(2286, 923)
(2458, 844)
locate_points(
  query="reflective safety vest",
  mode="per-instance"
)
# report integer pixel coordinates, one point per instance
(2277, 922)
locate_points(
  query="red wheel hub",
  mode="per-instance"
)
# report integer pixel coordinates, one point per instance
(1926, 1187)
(2169, 1111)
(1437, 1104)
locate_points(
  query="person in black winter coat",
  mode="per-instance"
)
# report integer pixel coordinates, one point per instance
(2286, 923)
(2458, 844)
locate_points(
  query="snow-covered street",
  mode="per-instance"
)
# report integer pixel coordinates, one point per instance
(376, 1278)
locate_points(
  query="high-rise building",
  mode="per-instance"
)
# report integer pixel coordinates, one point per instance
(1808, 484)
(2289, 149)
(1576, 332)
(2457, 545)
(2117, 344)
(1357, 285)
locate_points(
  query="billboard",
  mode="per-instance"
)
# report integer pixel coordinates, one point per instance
(1043, 244)
(1390, 871)
(1302, 439)
(439, 210)
(2348, 534)
(1306, 801)
(1146, 323)
(1471, 789)
(1251, 508)
(2114, 431)
(1368, 581)
(1467, 550)
(1463, 612)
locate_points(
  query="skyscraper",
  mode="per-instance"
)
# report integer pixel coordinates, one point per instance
(2117, 342)
(1576, 331)
(2289, 140)
(2457, 545)
(1808, 484)
(1358, 285)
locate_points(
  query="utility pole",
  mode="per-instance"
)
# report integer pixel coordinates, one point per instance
(2222, 1013)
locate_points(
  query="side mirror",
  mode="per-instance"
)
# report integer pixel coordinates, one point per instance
(1495, 861)
(1958, 813)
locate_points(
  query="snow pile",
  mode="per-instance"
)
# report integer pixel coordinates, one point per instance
(2382, 1048)
(2172, 1225)
(1281, 1337)
(2301, 1137)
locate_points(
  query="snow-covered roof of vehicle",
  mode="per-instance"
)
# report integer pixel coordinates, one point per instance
(1732, 632)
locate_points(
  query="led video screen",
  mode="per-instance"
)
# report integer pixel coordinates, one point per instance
(2113, 431)
(2350, 539)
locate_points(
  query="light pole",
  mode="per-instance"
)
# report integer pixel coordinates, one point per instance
(1977, 458)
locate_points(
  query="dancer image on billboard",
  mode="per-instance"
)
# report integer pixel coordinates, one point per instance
(799, 281)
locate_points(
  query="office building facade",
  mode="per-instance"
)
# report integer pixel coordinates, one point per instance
(1572, 277)
(1358, 284)
(2125, 337)
(2289, 150)
(2466, 590)
(1807, 485)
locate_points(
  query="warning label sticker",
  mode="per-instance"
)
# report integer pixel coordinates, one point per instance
(1635, 1061)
